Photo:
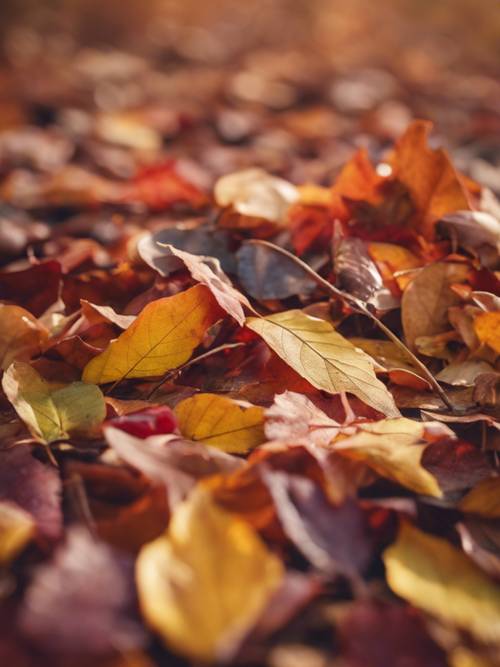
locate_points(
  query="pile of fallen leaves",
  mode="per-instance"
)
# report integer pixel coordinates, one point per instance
(249, 407)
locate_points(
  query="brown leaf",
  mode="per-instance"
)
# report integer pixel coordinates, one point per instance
(426, 300)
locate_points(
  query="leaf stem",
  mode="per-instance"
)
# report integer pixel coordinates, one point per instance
(175, 371)
(359, 307)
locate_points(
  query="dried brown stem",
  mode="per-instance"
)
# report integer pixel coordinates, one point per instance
(359, 307)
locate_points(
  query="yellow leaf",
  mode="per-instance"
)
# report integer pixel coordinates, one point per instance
(53, 411)
(21, 335)
(487, 328)
(483, 499)
(204, 584)
(322, 356)
(393, 448)
(233, 426)
(16, 530)
(433, 575)
(162, 337)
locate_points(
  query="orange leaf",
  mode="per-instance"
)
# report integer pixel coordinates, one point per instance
(435, 187)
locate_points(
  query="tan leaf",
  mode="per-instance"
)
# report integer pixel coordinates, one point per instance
(233, 426)
(393, 448)
(255, 193)
(204, 584)
(323, 357)
(433, 575)
(53, 411)
(425, 303)
(162, 337)
(21, 335)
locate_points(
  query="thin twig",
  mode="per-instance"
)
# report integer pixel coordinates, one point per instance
(359, 307)
(172, 373)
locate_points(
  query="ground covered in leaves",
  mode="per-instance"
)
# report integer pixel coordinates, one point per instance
(249, 339)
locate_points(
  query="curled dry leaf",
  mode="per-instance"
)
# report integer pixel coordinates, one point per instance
(162, 337)
(433, 575)
(202, 240)
(425, 303)
(473, 229)
(53, 411)
(358, 275)
(393, 448)
(219, 421)
(257, 194)
(95, 314)
(207, 271)
(323, 357)
(210, 572)
(88, 576)
(21, 335)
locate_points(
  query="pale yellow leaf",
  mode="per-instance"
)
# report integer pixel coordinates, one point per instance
(253, 192)
(204, 584)
(323, 357)
(393, 448)
(21, 335)
(433, 575)
(161, 338)
(53, 411)
(233, 426)
(16, 530)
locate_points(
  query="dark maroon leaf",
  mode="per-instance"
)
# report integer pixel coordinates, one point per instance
(457, 465)
(335, 540)
(83, 600)
(34, 486)
(379, 635)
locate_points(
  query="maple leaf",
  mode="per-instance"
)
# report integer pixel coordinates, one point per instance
(436, 188)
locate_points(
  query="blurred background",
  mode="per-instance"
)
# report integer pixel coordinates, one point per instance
(293, 85)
